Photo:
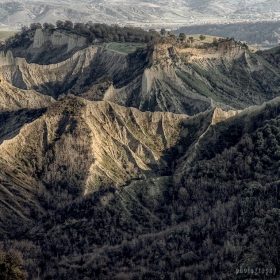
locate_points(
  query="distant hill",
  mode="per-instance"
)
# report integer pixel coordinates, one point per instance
(14, 14)
(263, 34)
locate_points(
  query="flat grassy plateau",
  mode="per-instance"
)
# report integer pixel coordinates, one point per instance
(6, 34)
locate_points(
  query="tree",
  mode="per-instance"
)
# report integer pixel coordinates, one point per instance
(51, 26)
(80, 27)
(191, 39)
(38, 25)
(34, 26)
(202, 37)
(215, 41)
(90, 38)
(60, 24)
(48, 26)
(173, 36)
(163, 32)
(24, 29)
(11, 265)
(68, 25)
(182, 37)
(89, 24)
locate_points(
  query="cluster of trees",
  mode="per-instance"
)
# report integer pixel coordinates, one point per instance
(11, 265)
(92, 31)
(223, 215)
(107, 33)
(183, 41)
(182, 37)
(104, 32)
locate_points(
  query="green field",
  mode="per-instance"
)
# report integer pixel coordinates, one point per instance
(124, 48)
(6, 34)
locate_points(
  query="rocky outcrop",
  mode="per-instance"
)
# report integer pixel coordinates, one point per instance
(117, 144)
(13, 99)
(226, 51)
(220, 115)
(46, 46)
(52, 79)
(159, 90)
(74, 147)
(158, 78)
(192, 80)
(58, 38)
(135, 142)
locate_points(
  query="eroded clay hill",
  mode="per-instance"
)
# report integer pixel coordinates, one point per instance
(76, 146)
(13, 99)
(118, 143)
(155, 78)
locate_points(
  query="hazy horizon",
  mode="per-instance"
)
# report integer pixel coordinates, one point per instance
(156, 14)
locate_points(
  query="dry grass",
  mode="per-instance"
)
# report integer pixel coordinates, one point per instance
(208, 38)
(6, 34)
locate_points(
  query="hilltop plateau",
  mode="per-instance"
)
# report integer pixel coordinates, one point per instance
(174, 77)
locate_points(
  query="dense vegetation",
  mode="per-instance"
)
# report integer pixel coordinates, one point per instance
(272, 56)
(221, 216)
(11, 265)
(93, 31)
(100, 32)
